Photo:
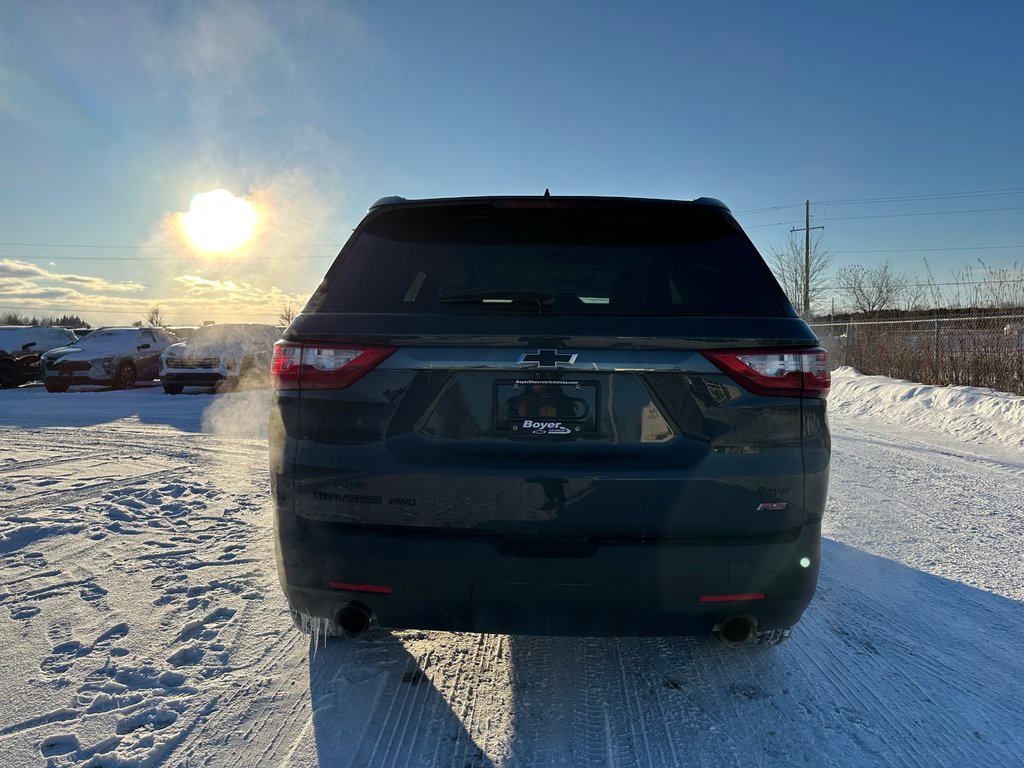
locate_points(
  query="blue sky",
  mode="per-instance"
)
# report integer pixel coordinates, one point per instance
(113, 114)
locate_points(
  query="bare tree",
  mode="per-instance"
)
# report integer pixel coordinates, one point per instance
(287, 314)
(154, 318)
(787, 261)
(871, 290)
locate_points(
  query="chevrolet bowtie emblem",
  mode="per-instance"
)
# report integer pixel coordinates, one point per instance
(547, 358)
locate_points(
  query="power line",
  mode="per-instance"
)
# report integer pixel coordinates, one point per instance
(893, 199)
(934, 196)
(151, 259)
(924, 250)
(887, 216)
(968, 282)
(769, 208)
(156, 247)
(920, 213)
(775, 224)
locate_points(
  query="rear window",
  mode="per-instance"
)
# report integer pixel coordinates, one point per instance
(481, 258)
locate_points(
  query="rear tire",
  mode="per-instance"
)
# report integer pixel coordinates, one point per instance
(56, 386)
(174, 389)
(125, 377)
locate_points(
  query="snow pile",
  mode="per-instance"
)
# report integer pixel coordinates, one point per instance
(971, 414)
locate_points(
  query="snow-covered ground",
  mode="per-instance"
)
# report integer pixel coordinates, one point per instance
(141, 623)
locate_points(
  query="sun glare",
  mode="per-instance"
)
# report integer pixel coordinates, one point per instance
(219, 221)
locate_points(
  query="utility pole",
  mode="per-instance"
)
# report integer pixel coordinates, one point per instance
(807, 256)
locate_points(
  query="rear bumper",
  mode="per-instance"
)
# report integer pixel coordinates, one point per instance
(475, 584)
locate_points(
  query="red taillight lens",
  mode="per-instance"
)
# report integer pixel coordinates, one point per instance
(370, 588)
(732, 598)
(777, 372)
(320, 365)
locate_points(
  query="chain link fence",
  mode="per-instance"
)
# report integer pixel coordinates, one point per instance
(977, 350)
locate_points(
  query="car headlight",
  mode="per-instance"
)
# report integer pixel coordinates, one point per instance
(232, 364)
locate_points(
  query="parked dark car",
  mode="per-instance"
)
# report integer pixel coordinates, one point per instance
(21, 347)
(220, 356)
(550, 415)
(117, 357)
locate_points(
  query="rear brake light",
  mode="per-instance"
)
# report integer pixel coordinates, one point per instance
(369, 588)
(732, 598)
(321, 365)
(777, 372)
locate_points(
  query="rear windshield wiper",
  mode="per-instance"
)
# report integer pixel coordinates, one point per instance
(497, 296)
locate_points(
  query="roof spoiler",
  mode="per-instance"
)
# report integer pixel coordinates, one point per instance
(395, 200)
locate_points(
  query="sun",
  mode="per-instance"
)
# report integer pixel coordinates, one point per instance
(219, 221)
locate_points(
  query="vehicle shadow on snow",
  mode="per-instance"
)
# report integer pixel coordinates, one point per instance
(375, 704)
(888, 664)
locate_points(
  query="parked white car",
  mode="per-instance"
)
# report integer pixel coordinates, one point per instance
(220, 356)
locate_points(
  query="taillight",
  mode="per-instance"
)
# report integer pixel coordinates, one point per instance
(320, 365)
(777, 372)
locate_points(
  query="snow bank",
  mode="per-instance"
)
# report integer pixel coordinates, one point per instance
(971, 414)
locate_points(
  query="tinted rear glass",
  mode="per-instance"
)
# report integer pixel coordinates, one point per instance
(674, 261)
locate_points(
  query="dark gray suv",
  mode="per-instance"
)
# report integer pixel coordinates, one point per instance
(550, 415)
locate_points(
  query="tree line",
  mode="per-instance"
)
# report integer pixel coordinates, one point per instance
(63, 321)
(154, 317)
(876, 291)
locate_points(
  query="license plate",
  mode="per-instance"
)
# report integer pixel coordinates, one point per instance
(537, 407)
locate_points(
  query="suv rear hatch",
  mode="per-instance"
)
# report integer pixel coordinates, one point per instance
(548, 371)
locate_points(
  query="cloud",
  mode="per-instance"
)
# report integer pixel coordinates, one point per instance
(35, 275)
(9, 268)
(15, 287)
(200, 286)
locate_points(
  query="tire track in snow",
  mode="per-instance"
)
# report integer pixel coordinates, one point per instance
(486, 659)
(41, 499)
(411, 693)
(956, 513)
(888, 641)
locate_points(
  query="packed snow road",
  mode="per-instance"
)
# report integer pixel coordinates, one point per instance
(142, 624)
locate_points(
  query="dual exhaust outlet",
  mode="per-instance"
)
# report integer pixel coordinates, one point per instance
(736, 630)
(354, 618)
